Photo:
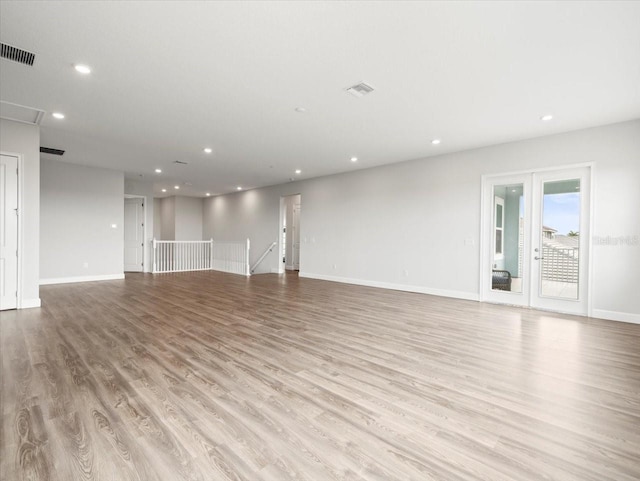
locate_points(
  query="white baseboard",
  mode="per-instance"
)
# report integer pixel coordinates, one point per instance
(616, 316)
(470, 296)
(68, 280)
(30, 303)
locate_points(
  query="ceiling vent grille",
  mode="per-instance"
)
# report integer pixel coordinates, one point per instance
(360, 90)
(49, 150)
(17, 55)
(180, 162)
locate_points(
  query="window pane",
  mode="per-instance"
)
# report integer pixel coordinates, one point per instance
(507, 269)
(560, 239)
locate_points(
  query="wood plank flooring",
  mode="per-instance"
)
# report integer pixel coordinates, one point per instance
(210, 376)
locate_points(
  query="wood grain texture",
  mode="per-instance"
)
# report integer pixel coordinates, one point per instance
(210, 376)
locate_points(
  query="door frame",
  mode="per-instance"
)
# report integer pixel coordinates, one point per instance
(282, 267)
(483, 280)
(20, 240)
(296, 231)
(145, 248)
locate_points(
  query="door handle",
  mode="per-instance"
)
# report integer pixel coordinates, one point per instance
(538, 258)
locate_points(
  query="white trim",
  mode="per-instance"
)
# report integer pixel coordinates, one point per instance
(275, 270)
(470, 296)
(30, 303)
(67, 280)
(616, 316)
(540, 169)
(592, 211)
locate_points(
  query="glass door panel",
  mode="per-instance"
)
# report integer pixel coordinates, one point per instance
(560, 239)
(560, 226)
(507, 266)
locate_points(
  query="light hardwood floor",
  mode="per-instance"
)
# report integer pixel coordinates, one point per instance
(209, 376)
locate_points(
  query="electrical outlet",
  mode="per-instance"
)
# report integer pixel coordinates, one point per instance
(406, 273)
(335, 266)
(85, 265)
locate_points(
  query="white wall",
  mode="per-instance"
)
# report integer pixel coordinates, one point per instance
(253, 214)
(157, 219)
(134, 187)
(78, 207)
(404, 225)
(24, 139)
(168, 218)
(181, 218)
(189, 218)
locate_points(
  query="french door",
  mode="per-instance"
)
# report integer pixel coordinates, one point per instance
(535, 233)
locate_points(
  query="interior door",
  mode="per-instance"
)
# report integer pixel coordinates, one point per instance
(296, 237)
(8, 232)
(133, 235)
(560, 233)
(535, 235)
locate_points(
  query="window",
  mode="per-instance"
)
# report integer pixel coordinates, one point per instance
(499, 227)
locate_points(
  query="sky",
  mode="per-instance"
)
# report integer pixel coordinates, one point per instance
(562, 212)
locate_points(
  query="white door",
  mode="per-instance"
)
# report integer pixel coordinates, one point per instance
(296, 237)
(133, 235)
(8, 232)
(560, 234)
(506, 228)
(535, 237)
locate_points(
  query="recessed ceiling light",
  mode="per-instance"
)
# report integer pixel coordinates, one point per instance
(513, 190)
(164, 190)
(176, 187)
(58, 115)
(301, 110)
(436, 141)
(208, 194)
(239, 188)
(158, 171)
(546, 118)
(298, 171)
(83, 69)
(354, 159)
(208, 150)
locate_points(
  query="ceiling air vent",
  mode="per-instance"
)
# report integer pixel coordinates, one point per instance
(360, 90)
(17, 55)
(180, 162)
(49, 150)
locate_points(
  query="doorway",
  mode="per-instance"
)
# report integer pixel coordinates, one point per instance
(134, 234)
(290, 232)
(8, 232)
(536, 239)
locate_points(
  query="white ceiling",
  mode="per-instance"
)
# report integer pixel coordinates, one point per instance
(171, 78)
